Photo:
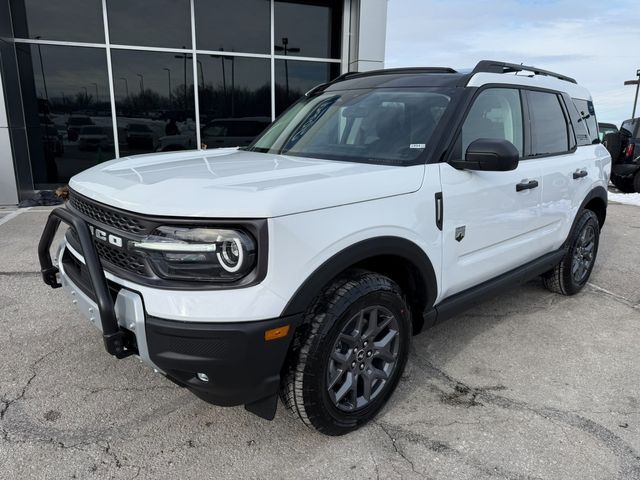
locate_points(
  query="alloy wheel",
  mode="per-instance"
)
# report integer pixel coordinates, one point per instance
(583, 254)
(363, 358)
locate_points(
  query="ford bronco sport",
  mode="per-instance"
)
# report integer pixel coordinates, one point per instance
(301, 265)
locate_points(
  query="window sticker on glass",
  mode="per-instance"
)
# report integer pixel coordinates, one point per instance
(418, 145)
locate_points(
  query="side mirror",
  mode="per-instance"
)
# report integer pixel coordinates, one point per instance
(490, 155)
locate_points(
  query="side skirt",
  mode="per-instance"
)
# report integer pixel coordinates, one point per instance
(462, 301)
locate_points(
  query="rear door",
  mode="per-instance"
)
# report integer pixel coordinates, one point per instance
(490, 225)
(561, 139)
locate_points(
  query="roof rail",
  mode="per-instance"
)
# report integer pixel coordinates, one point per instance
(491, 66)
(386, 71)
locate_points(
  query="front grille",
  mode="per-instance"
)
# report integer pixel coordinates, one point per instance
(115, 219)
(79, 275)
(127, 261)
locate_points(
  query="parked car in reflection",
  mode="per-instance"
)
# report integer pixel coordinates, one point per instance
(52, 140)
(140, 135)
(94, 138)
(74, 124)
(233, 132)
(223, 132)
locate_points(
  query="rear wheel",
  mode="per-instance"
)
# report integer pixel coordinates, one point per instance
(574, 270)
(349, 359)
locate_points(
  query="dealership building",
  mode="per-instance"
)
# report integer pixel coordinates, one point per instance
(85, 81)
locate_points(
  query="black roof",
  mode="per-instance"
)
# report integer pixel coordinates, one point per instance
(427, 76)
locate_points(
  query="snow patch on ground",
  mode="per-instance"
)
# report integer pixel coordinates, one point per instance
(628, 198)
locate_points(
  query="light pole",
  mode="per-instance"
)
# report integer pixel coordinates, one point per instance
(126, 86)
(184, 57)
(44, 78)
(86, 95)
(637, 84)
(224, 80)
(169, 74)
(286, 49)
(141, 83)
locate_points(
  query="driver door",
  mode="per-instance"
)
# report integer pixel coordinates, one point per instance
(491, 220)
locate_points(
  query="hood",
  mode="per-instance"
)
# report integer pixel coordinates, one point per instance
(230, 183)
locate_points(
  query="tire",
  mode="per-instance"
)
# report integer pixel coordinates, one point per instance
(313, 385)
(624, 184)
(636, 182)
(574, 270)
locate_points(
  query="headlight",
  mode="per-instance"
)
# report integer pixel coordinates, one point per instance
(200, 254)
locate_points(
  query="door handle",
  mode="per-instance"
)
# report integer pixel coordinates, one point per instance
(526, 185)
(579, 174)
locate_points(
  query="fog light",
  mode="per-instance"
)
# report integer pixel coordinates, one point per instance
(203, 377)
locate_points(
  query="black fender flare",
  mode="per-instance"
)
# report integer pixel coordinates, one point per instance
(356, 253)
(598, 192)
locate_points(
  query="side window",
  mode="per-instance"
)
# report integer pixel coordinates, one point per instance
(495, 113)
(579, 124)
(588, 114)
(549, 129)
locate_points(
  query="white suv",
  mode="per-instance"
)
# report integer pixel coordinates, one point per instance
(377, 205)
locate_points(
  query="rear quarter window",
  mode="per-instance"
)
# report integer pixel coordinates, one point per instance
(588, 114)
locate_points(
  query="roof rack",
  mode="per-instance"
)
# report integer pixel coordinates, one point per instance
(386, 71)
(490, 66)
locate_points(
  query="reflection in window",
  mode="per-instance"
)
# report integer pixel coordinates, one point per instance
(295, 78)
(496, 113)
(69, 20)
(549, 126)
(238, 26)
(67, 110)
(235, 99)
(154, 101)
(167, 23)
(295, 35)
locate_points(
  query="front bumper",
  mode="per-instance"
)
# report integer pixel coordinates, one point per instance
(242, 367)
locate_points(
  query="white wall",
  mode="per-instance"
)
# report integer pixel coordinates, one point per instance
(8, 188)
(368, 31)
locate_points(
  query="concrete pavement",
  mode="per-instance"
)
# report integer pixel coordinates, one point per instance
(529, 385)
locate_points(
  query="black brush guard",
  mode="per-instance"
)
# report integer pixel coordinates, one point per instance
(113, 336)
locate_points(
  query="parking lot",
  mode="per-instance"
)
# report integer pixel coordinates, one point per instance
(528, 385)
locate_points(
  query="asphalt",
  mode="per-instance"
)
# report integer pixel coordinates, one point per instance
(528, 385)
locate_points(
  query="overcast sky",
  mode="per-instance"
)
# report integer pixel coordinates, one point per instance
(595, 42)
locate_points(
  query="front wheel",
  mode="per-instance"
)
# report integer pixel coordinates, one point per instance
(574, 270)
(350, 355)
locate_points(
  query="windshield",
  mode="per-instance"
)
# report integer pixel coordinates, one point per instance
(385, 125)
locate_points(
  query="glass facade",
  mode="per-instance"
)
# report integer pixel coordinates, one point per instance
(104, 79)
